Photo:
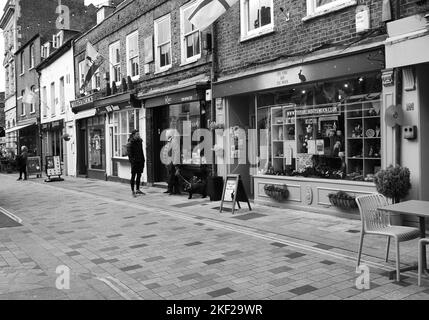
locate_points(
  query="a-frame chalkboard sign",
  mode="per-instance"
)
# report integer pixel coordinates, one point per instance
(233, 191)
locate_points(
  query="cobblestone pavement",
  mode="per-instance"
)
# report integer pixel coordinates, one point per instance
(167, 247)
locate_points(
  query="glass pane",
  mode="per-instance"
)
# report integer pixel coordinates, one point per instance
(259, 13)
(165, 55)
(323, 2)
(164, 31)
(96, 149)
(188, 27)
(124, 141)
(131, 116)
(124, 123)
(133, 45)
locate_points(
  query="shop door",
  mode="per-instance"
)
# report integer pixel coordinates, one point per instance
(82, 157)
(161, 123)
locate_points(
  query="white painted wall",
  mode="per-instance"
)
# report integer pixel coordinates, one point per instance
(62, 67)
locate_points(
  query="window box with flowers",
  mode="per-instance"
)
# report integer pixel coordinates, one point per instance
(342, 200)
(276, 192)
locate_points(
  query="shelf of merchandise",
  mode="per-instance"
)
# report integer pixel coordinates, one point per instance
(358, 149)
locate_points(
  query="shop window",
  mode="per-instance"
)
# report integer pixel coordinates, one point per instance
(319, 7)
(133, 55)
(191, 41)
(194, 114)
(96, 143)
(163, 43)
(115, 62)
(326, 130)
(123, 123)
(256, 18)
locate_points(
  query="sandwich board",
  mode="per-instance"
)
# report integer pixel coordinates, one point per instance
(34, 167)
(233, 191)
(53, 168)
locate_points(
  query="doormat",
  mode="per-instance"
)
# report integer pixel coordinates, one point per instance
(250, 216)
(7, 222)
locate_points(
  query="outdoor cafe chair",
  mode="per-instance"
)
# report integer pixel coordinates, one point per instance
(422, 243)
(376, 222)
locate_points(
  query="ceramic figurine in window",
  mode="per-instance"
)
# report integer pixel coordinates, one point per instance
(357, 131)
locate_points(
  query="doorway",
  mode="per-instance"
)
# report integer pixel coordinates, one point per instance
(161, 123)
(82, 147)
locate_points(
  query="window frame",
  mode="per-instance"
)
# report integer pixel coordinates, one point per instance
(81, 74)
(94, 80)
(53, 99)
(129, 58)
(23, 113)
(158, 67)
(112, 64)
(62, 101)
(22, 63)
(183, 35)
(118, 133)
(313, 11)
(245, 34)
(44, 101)
(33, 105)
(32, 56)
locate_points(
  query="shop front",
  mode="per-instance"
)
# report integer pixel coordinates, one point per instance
(185, 110)
(52, 142)
(123, 115)
(90, 138)
(319, 130)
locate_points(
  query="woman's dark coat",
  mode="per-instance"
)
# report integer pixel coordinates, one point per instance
(136, 155)
(21, 160)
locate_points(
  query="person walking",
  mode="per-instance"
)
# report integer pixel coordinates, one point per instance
(137, 161)
(22, 163)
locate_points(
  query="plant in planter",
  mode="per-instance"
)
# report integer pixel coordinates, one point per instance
(278, 193)
(393, 182)
(343, 200)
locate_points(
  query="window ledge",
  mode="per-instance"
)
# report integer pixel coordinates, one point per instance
(22, 74)
(164, 69)
(190, 60)
(33, 112)
(135, 78)
(341, 6)
(264, 31)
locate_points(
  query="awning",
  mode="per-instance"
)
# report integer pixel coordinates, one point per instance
(174, 95)
(363, 62)
(20, 127)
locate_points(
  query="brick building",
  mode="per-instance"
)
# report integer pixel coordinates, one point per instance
(145, 41)
(21, 21)
(309, 77)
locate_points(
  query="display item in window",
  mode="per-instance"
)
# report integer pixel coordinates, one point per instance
(357, 131)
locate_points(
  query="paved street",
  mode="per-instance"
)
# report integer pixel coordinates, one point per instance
(167, 247)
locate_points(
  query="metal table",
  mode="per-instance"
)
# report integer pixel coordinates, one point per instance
(414, 208)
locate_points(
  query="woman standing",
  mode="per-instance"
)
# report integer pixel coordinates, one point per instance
(22, 162)
(137, 160)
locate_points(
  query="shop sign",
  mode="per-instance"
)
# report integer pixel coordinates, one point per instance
(173, 98)
(314, 111)
(82, 101)
(53, 166)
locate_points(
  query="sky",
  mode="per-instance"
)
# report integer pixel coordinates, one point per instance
(2, 4)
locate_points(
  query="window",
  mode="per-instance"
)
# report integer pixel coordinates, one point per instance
(96, 143)
(22, 62)
(115, 62)
(163, 44)
(33, 98)
(32, 56)
(62, 100)
(22, 103)
(319, 7)
(191, 43)
(133, 55)
(57, 40)
(328, 130)
(44, 102)
(256, 18)
(82, 69)
(123, 123)
(53, 100)
(96, 80)
(45, 50)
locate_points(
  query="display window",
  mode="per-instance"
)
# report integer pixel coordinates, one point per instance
(326, 130)
(123, 123)
(96, 143)
(195, 114)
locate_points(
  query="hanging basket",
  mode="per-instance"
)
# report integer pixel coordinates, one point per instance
(342, 200)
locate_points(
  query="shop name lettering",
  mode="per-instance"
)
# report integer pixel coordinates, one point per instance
(170, 100)
(309, 112)
(178, 148)
(82, 101)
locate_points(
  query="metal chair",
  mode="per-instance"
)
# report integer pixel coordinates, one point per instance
(376, 222)
(422, 243)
